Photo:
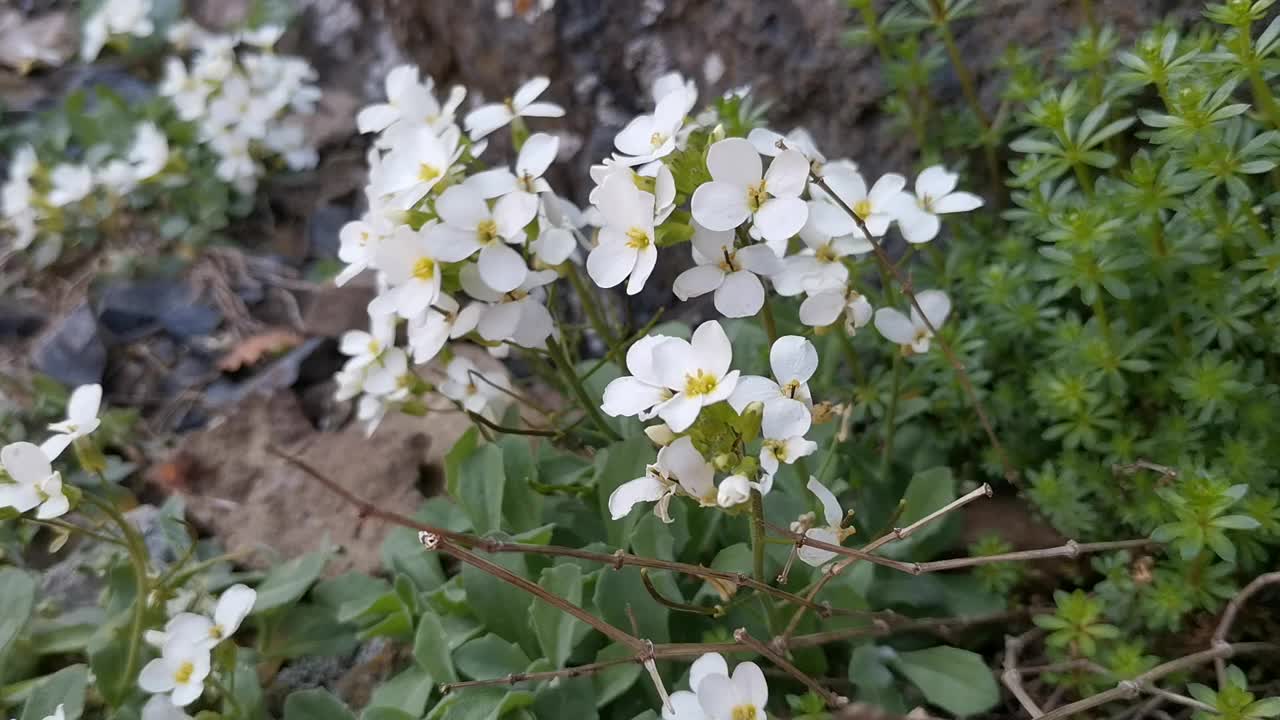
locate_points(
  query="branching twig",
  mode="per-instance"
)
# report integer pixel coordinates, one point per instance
(1229, 618)
(833, 700)
(1012, 675)
(512, 679)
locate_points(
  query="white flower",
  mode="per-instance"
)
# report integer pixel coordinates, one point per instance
(235, 163)
(733, 490)
(487, 118)
(364, 348)
(519, 315)
(641, 391)
(680, 469)
(738, 192)
(484, 393)
(650, 137)
(741, 697)
(673, 83)
(233, 607)
(934, 195)
(664, 189)
(412, 262)
(264, 36)
(238, 107)
(824, 308)
(160, 707)
(15, 194)
(520, 191)
(766, 141)
(149, 152)
(71, 183)
(82, 419)
(414, 167)
(115, 17)
(875, 208)
(358, 245)
(733, 273)
(387, 373)
(179, 672)
(914, 333)
(832, 533)
(443, 321)
(820, 266)
(558, 222)
(785, 449)
(186, 91)
(35, 482)
(696, 372)
(469, 224)
(626, 241)
(793, 360)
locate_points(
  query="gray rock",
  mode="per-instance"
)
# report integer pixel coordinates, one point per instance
(73, 353)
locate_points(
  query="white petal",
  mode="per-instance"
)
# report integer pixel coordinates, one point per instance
(712, 347)
(957, 202)
(54, 446)
(785, 418)
(538, 153)
(741, 295)
(684, 706)
(888, 186)
(491, 183)
(501, 267)
(707, 665)
(462, 207)
(788, 174)
(84, 403)
(830, 221)
(156, 677)
(233, 607)
(765, 141)
(640, 358)
(718, 697)
(935, 182)
(720, 205)
(513, 212)
(817, 556)
(634, 139)
(499, 322)
(710, 246)
(682, 461)
(542, 109)
(376, 118)
(753, 388)
(831, 510)
(672, 359)
(25, 463)
(530, 90)
(733, 490)
(630, 494)
(917, 226)
(680, 411)
(793, 358)
(759, 259)
(751, 684)
(609, 263)
(646, 259)
(698, 280)
(184, 695)
(554, 245)
(936, 306)
(822, 309)
(894, 326)
(780, 218)
(485, 119)
(735, 161)
(629, 396)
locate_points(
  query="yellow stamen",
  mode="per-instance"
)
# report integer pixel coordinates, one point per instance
(184, 672)
(427, 173)
(424, 269)
(756, 196)
(744, 712)
(486, 231)
(657, 139)
(637, 238)
(700, 383)
(863, 208)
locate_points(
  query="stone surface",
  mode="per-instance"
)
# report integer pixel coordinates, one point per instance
(72, 352)
(251, 499)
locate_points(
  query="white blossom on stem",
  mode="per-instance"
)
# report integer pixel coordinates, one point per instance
(732, 273)
(825, 307)
(443, 321)
(913, 333)
(627, 246)
(179, 672)
(518, 316)
(642, 391)
(484, 393)
(875, 207)
(412, 262)
(469, 224)
(650, 137)
(82, 419)
(487, 118)
(697, 372)
(415, 166)
(935, 194)
(35, 484)
(738, 191)
(680, 469)
(786, 397)
(831, 533)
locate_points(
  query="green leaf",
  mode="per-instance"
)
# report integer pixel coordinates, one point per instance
(431, 648)
(17, 597)
(490, 657)
(402, 554)
(873, 679)
(619, 463)
(570, 698)
(927, 493)
(307, 629)
(616, 590)
(557, 631)
(521, 505)
(453, 460)
(955, 680)
(501, 607)
(65, 687)
(247, 688)
(386, 713)
(616, 680)
(287, 583)
(482, 479)
(408, 692)
(315, 704)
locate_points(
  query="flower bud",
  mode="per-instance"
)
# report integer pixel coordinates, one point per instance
(717, 134)
(660, 434)
(734, 490)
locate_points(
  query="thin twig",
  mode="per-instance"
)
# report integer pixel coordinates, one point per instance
(512, 679)
(1012, 675)
(962, 375)
(1229, 618)
(833, 700)
(668, 602)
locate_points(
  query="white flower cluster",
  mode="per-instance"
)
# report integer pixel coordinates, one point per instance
(674, 380)
(32, 483)
(714, 694)
(37, 199)
(459, 251)
(115, 18)
(248, 101)
(186, 644)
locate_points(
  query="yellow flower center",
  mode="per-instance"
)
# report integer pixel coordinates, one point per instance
(486, 232)
(776, 448)
(700, 383)
(863, 208)
(183, 674)
(827, 254)
(364, 237)
(925, 202)
(215, 632)
(756, 196)
(427, 173)
(375, 347)
(637, 238)
(790, 388)
(657, 139)
(744, 712)
(424, 269)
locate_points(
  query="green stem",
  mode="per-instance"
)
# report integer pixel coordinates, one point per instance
(69, 527)
(229, 696)
(589, 304)
(891, 418)
(958, 64)
(1262, 94)
(137, 550)
(1086, 181)
(770, 325)
(757, 535)
(560, 358)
